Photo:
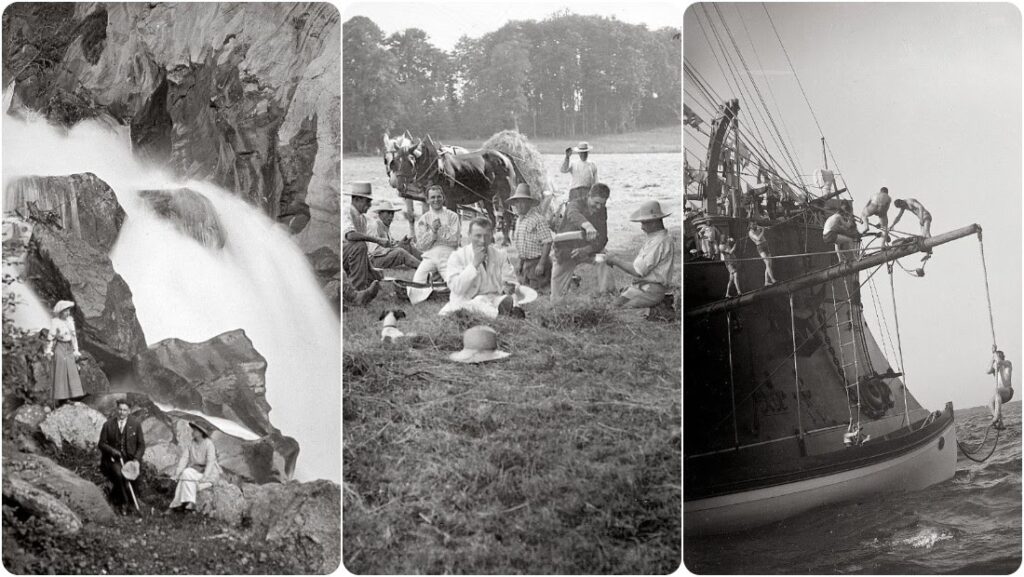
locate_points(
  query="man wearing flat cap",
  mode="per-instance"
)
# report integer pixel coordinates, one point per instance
(654, 266)
(355, 259)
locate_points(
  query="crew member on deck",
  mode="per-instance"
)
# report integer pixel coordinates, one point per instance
(728, 251)
(758, 235)
(1003, 370)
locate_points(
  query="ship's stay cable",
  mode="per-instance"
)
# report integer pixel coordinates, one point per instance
(732, 385)
(988, 295)
(739, 53)
(899, 344)
(729, 71)
(767, 79)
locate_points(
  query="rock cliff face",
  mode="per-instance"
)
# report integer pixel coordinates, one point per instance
(246, 95)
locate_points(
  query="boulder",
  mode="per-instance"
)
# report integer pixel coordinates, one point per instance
(31, 415)
(246, 95)
(58, 267)
(192, 213)
(73, 423)
(325, 262)
(222, 377)
(81, 204)
(30, 501)
(222, 501)
(305, 515)
(82, 497)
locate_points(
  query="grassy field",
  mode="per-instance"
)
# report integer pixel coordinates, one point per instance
(563, 458)
(661, 139)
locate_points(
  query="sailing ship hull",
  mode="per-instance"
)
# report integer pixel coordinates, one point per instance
(910, 461)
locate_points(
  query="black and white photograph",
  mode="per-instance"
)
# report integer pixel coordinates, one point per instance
(852, 288)
(511, 237)
(171, 288)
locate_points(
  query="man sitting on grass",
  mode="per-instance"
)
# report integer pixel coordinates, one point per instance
(654, 265)
(480, 276)
(395, 254)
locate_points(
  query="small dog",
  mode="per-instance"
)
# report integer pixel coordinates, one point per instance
(390, 331)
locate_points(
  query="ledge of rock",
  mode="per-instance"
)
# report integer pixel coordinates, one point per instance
(73, 423)
(25, 500)
(222, 377)
(82, 497)
(59, 266)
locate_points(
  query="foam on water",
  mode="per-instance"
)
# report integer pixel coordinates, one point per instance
(226, 425)
(260, 281)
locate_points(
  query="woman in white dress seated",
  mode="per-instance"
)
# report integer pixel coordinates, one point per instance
(197, 468)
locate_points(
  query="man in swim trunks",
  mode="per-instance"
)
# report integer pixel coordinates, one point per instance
(757, 234)
(878, 206)
(1003, 370)
(923, 216)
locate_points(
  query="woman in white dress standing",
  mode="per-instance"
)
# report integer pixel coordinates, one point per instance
(197, 468)
(62, 346)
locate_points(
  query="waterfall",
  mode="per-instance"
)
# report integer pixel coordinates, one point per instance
(259, 281)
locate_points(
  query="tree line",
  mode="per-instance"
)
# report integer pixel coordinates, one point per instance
(564, 76)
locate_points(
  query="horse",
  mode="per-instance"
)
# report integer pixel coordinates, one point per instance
(485, 176)
(401, 146)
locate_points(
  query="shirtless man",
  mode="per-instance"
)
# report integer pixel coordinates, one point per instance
(878, 206)
(756, 233)
(1003, 370)
(728, 252)
(923, 216)
(841, 230)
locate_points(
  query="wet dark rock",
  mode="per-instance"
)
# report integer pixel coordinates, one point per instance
(223, 377)
(191, 212)
(59, 266)
(218, 91)
(82, 204)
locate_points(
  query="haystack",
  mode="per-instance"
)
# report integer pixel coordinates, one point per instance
(528, 159)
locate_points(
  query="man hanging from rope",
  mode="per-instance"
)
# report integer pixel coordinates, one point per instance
(923, 216)
(1003, 370)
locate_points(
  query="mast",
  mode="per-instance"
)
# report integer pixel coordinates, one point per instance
(823, 155)
(716, 145)
(834, 272)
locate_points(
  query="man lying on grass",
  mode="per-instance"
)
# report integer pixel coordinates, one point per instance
(480, 276)
(654, 266)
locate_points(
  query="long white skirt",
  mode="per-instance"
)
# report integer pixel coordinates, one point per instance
(188, 486)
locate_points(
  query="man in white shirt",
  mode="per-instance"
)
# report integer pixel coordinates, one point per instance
(401, 253)
(584, 172)
(438, 233)
(654, 266)
(480, 276)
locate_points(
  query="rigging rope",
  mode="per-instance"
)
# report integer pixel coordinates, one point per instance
(969, 454)
(988, 296)
(796, 367)
(899, 345)
(732, 385)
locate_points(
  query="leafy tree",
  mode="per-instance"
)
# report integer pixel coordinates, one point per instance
(369, 89)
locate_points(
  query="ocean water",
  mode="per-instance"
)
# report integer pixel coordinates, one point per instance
(970, 524)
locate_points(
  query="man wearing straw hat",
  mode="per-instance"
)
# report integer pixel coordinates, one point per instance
(584, 172)
(355, 259)
(532, 239)
(121, 442)
(400, 254)
(654, 266)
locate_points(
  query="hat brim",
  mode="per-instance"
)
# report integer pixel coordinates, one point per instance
(647, 218)
(511, 198)
(199, 428)
(524, 296)
(381, 209)
(472, 356)
(130, 470)
(61, 307)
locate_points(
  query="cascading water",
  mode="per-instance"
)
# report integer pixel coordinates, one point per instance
(258, 281)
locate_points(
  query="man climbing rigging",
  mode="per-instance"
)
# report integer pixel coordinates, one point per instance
(878, 206)
(841, 230)
(1003, 370)
(923, 216)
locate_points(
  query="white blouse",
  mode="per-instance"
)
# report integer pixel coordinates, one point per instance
(62, 330)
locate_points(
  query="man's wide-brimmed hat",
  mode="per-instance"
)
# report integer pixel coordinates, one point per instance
(385, 206)
(200, 427)
(479, 345)
(522, 191)
(582, 147)
(364, 189)
(62, 306)
(523, 295)
(130, 470)
(650, 210)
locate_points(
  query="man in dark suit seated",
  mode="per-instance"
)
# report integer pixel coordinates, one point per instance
(121, 442)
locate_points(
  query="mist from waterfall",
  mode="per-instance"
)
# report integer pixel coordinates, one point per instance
(260, 281)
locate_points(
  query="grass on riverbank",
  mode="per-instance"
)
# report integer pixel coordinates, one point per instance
(654, 140)
(563, 458)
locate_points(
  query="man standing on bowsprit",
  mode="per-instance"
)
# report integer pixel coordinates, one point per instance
(120, 442)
